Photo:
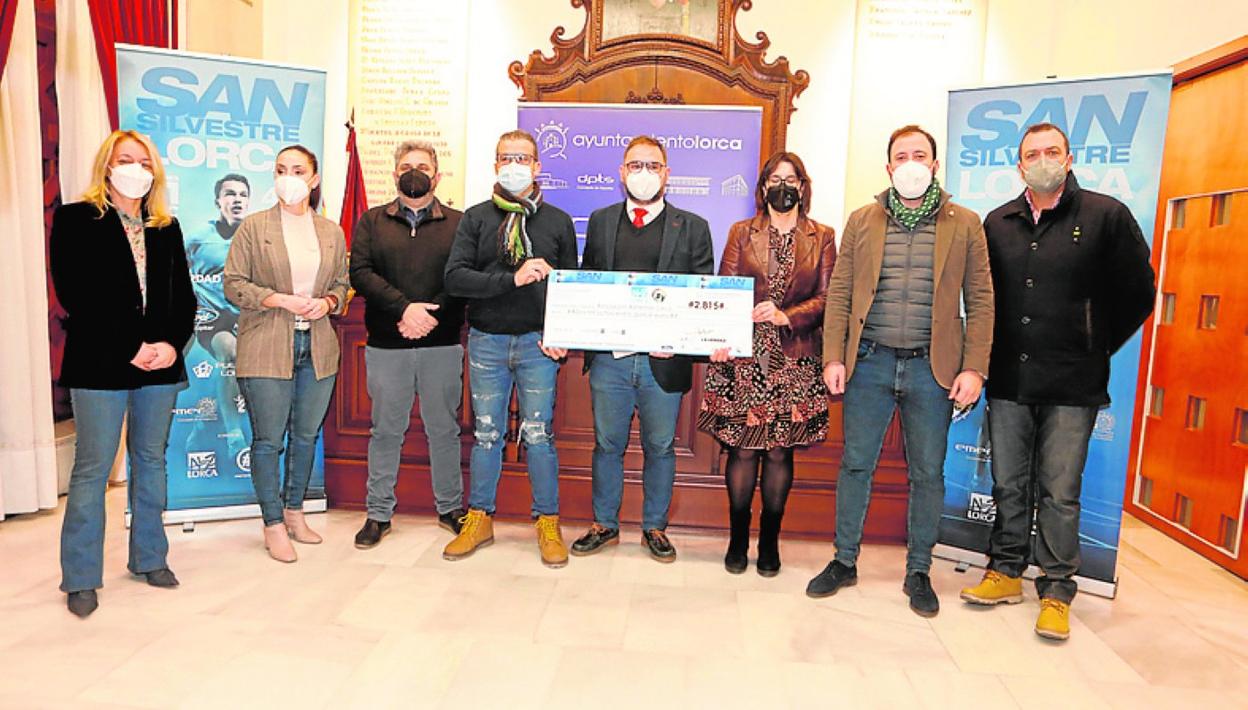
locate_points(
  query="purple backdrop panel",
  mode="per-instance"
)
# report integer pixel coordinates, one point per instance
(713, 153)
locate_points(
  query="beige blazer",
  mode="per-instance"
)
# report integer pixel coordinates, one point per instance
(960, 274)
(256, 268)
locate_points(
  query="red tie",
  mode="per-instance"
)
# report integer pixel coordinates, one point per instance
(638, 213)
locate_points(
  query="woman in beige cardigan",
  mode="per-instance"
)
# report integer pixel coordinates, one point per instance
(286, 271)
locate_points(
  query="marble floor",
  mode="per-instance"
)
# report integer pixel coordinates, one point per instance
(397, 626)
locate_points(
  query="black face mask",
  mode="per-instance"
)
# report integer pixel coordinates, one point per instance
(415, 184)
(782, 197)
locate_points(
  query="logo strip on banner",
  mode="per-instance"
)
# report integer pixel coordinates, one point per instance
(218, 123)
(1116, 127)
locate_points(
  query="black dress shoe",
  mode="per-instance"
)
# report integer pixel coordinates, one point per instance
(657, 544)
(831, 579)
(594, 539)
(450, 520)
(736, 562)
(371, 533)
(162, 578)
(923, 600)
(81, 604)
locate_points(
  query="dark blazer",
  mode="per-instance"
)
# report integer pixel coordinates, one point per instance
(747, 253)
(685, 249)
(1070, 291)
(95, 279)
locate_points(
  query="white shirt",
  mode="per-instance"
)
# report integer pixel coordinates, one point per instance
(304, 253)
(652, 210)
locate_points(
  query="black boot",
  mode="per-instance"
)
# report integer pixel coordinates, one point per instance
(736, 560)
(769, 543)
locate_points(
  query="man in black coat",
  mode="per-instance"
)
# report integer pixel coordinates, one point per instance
(642, 234)
(1073, 283)
(398, 259)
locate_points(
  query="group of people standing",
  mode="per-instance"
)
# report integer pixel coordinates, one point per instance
(920, 307)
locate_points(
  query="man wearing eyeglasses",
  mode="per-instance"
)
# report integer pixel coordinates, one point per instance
(503, 250)
(641, 234)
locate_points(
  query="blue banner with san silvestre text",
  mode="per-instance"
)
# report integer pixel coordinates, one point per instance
(1116, 127)
(218, 123)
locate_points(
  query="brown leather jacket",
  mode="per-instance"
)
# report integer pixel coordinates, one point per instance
(747, 253)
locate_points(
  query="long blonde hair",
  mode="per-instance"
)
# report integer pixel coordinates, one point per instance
(154, 201)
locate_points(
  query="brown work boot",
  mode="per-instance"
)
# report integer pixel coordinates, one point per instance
(477, 531)
(550, 541)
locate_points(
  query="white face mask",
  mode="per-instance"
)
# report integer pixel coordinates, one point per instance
(132, 180)
(291, 189)
(911, 179)
(515, 178)
(642, 185)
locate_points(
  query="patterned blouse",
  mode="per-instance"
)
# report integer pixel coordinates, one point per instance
(134, 235)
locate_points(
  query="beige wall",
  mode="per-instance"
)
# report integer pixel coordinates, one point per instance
(312, 33)
(1073, 38)
(1023, 41)
(233, 27)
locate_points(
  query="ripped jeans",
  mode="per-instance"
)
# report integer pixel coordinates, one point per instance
(494, 363)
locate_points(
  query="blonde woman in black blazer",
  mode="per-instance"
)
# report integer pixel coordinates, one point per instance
(119, 270)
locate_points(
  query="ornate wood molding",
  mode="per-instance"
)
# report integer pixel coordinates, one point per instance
(587, 67)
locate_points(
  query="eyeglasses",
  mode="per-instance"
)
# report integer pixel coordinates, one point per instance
(791, 181)
(518, 158)
(635, 166)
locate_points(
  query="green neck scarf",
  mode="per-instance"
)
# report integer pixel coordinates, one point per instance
(909, 217)
(514, 245)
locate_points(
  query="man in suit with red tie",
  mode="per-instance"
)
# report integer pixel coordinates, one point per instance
(641, 234)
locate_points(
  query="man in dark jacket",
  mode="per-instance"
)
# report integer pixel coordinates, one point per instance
(503, 251)
(1073, 283)
(642, 234)
(398, 255)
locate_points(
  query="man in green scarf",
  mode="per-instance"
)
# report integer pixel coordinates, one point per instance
(503, 250)
(893, 338)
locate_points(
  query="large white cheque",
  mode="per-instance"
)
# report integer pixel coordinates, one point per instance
(683, 314)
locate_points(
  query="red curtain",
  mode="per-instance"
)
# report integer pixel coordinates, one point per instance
(8, 18)
(145, 22)
(354, 196)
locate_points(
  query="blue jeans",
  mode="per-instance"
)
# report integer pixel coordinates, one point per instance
(617, 387)
(882, 382)
(285, 413)
(495, 362)
(98, 415)
(1038, 455)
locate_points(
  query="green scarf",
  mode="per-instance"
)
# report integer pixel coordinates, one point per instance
(514, 245)
(909, 217)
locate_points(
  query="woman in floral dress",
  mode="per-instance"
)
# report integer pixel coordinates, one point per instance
(763, 406)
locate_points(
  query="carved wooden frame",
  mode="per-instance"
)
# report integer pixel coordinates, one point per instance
(732, 61)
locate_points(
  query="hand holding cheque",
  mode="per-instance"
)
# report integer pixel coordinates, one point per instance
(680, 314)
